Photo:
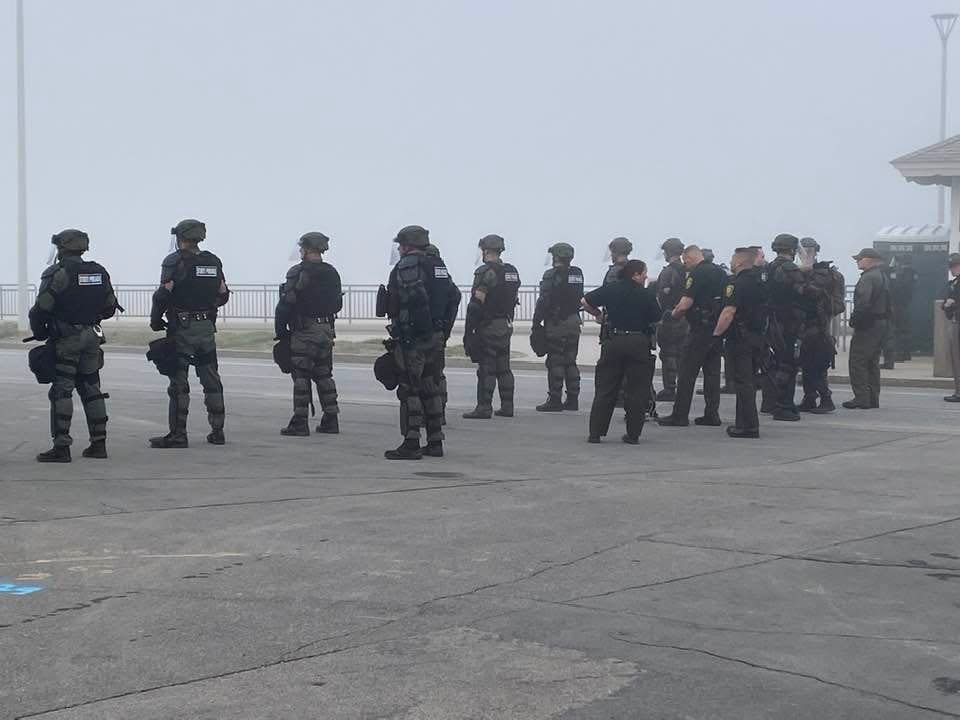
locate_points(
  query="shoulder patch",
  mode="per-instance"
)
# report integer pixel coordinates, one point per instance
(689, 283)
(440, 272)
(729, 291)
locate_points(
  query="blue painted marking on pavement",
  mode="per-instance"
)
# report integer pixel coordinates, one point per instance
(15, 589)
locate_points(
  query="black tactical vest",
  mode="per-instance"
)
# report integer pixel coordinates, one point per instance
(780, 292)
(502, 300)
(196, 283)
(319, 292)
(566, 292)
(86, 294)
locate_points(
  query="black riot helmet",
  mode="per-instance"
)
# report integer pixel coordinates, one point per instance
(190, 230)
(71, 241)
(413, 236)
(621, 246)
(318, 242)
(785, 243)
(493, 242)
(672, 247)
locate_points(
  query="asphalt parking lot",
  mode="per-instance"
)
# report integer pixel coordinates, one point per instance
(814, 573)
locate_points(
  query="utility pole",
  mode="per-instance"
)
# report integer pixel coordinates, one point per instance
(23, 298)
(944, 23)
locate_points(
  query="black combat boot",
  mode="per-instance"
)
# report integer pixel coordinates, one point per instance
(955, 398)
(408, 450)
(667, 395)
(505, 411)
(56, 454)
(216, 438)
(856, 405)
(478, 414)
(97, 450)
(631, 439)
(551, 405)
(433, 449)
(329, 424)
(298, 427)
(671, 421)
(785, 415)
(572, 403)
(736, 432)
(808, 404)
(169, 441)
(708, 421)
(826, 405)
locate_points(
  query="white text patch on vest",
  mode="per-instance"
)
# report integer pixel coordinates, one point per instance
(96, 279)
(206, 270)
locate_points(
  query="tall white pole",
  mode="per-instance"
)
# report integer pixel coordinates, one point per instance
(945, 23)
(23, 298)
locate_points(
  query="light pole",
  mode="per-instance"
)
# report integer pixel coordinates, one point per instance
(945, 23)
(23, 299)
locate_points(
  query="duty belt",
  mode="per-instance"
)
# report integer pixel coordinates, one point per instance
(615, 331)
(325, 320)
(188, 315)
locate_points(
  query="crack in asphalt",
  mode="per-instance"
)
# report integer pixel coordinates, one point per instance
(527, 576)
(192, 681)
(784, 671)
(284, 659)
(694, 625)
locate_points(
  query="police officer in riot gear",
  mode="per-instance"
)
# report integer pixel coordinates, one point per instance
(192, 288)
(817, 348)
(673, 331)
(454, 298)
(789, 293)
(558, 310)
(74, 296)
(700, 304)
(418, 294)
(620, 249)
(489, 327)
(310, 298)
(743, 323)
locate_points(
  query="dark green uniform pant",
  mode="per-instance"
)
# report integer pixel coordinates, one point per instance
(671, 338)
(865, 350)
(311, 350)
(563, 346)
(953, 351)
(196, 345)
(816, 356)
(418, 391)
(493, 370)
(742, 365)
(625, 361)
(79, 360)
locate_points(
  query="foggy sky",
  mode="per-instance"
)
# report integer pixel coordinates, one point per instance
(723, 123)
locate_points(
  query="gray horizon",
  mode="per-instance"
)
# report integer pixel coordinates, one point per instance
(541, 121)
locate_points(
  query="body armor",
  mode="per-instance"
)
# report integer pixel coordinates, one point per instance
(320, 296)
(566, 292)
(197, 281)
(502, 300)
(83, 301)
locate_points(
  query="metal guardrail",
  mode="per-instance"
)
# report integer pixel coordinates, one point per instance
(257, 302)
